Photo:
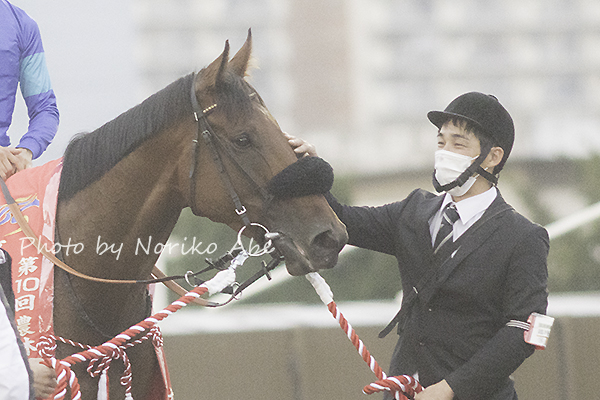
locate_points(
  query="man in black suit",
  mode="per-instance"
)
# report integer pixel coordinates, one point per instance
(473, 269)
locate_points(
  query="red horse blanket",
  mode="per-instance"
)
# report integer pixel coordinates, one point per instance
(35, 190)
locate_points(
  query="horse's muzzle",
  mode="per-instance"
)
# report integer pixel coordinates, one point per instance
(322, 252)
(296, 260)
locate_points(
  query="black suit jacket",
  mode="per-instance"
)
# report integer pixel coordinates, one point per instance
(455, 329)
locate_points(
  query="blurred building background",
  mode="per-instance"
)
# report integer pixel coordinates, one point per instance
(356, 78)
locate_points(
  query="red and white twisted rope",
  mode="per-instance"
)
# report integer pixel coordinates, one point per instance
(395, 384)
(101, 363)
(101, 355)
(402, 386)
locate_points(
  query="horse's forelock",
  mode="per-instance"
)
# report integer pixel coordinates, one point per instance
(233, 96)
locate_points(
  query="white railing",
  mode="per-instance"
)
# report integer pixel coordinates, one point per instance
(279, 275)
(574, 221)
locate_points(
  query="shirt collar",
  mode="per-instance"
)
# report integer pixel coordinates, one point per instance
(474, 205)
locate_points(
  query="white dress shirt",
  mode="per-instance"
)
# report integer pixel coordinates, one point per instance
(469, 211)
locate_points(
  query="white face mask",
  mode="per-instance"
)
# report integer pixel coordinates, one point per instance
(449, 166)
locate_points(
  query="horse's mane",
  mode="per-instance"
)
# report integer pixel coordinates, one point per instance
(90, 155)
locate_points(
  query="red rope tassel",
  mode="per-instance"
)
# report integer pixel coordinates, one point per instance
(112, 347)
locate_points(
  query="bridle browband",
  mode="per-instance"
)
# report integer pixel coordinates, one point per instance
(212, 140)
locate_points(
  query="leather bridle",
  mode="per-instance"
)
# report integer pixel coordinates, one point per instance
(214, 142)
(205, 131)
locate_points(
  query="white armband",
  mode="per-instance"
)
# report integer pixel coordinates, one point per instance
(537, 329)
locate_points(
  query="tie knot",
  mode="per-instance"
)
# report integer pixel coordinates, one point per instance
(451, 213)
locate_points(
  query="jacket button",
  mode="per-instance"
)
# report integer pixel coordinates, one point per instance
(421, 344)
(429, 309)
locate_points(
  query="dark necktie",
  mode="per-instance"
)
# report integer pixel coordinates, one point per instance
(443, 240)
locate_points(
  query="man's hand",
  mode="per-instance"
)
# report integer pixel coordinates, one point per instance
(7, 162)
(439, 391)
(301, 147)
(23, 156)
(14, 160)
(44, 378)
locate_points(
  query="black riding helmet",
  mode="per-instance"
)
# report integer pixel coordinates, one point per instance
(486, 112)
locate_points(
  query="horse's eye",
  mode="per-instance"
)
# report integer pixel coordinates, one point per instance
(242, 141)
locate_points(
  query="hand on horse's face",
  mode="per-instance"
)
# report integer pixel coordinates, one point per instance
(301, 147)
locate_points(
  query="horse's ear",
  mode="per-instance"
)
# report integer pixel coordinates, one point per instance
(239, 63)
(216, 69)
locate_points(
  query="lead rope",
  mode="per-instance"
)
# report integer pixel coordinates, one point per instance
(101, 355)
(99, 365)
(403, 387)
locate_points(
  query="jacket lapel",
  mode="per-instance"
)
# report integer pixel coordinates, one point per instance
(422, 216)
(471, 240)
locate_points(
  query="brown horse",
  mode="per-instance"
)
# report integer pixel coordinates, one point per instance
(129, 180)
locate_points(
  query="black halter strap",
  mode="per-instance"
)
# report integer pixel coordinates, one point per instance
(212, 140)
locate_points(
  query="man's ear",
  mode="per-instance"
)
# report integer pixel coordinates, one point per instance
(493, 158)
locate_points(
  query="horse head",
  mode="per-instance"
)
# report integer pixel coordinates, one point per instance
(244, 150)
(206, 141)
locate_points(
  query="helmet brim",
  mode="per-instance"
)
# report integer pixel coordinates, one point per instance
(439, 118)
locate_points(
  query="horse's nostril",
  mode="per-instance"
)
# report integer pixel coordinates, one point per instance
(327, 240)
(325, 247)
